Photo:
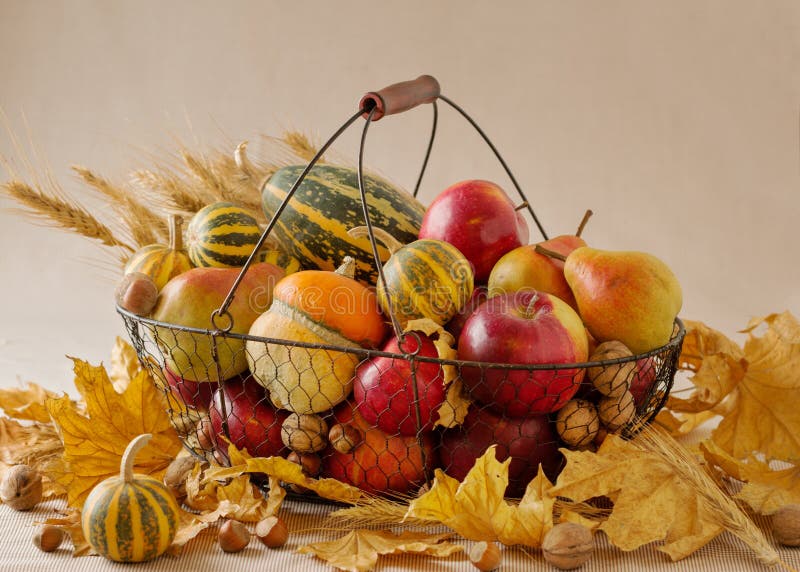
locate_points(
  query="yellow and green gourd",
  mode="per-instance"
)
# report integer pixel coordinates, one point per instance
(427, 278)
(222, 235)
(130, 518)
(162, 262)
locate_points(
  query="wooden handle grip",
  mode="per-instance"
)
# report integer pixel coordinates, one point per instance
(400, 97)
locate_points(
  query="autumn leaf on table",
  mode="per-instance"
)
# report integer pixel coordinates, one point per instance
(477, 510)
(766, 489)
(222, 492)
(28, 404)
(651, 501)
(284, 471)
(358, 550)
(94, 440)
(755, 389)
(30, 443)
(124, 364)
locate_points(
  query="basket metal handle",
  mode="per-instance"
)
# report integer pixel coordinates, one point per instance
(400, 97)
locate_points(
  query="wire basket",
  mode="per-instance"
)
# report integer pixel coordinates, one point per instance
(391, 442)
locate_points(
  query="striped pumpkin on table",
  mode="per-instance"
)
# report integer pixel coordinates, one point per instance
(130, 518)
(222, 235)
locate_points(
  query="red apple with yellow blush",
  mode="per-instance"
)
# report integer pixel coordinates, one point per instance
(524, 328)
(479, 219)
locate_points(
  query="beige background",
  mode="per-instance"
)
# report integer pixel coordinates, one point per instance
(677, 122)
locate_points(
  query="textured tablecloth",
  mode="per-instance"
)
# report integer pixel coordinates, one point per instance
(17, 552)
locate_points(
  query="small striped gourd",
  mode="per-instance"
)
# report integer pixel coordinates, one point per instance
(428, 278)
(222, 235)
(162, 262)
(313, 226)
(130, 518)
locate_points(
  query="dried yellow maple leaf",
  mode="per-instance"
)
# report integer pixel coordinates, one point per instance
(651, 500)
(95, 439)
(233, 495)
(766, 489)
(287, 472)
(754, 388)
(124, 364)
(358, 550)
(26, 404)
(477, 510)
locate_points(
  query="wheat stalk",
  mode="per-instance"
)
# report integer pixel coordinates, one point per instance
(301, 145)
(144, 225)
(60, 213)
(170, 192)
(721, 507)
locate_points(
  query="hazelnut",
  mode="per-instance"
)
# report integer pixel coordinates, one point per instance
(304, 433)
(577, 423)
(21, 488)
(233, 536)
(48, 537)
(786, 525)
(485, 556)
(176, 474)
(272, 532)
(137, 293)
(616, 412)
(611, 379)
(310, 462)
(568, 545)
(344, 438)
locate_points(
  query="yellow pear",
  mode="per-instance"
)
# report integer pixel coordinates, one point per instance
(628, 296)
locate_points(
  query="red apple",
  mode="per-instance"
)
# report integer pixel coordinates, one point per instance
(253, 422)
(384, 387)
(380, 463)
(195, 394)
(525, 269)
(479, 295)
(523, 328)
(529, 442)
(644, 378)
(479, 219)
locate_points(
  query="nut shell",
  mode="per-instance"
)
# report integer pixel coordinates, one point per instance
(612, 379)
(21, 487)
(48, 538)
(485, 556)
(233, 536)
(344, 437)
(568, 545)
(272, 532)
(786, 525)
(616, 412)
(577, 423)
(175, 476)
(304, 433)
(137, 293)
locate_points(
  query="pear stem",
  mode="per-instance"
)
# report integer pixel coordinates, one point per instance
(586, 216)
(521, 206)
(550, 253)
(126, 464)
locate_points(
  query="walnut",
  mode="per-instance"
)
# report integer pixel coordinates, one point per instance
(304, 433)
(577, 423)
(616, 412)
(21, 488)
(176, 474)
(786, 525)
(612, 379)
(568, 545)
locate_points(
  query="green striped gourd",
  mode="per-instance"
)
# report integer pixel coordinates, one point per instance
(222, 235)
(313, 227)
(428, 278)
(130, 518)
(280, 259)
(162, 262)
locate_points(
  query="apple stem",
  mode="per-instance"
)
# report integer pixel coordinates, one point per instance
(521, 206)
(529, 311)
(587, 215)
(550, 253)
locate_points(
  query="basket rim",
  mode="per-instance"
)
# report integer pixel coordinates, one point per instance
(367, 353)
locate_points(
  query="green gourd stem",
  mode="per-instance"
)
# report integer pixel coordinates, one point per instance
(347, 268)
(586, 216)
(175, 233)
(390, 242)
(126, 465)
(550, 253)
